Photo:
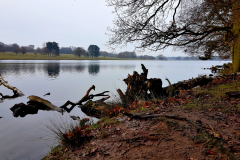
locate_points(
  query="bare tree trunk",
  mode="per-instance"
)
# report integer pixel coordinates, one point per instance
(236, 35)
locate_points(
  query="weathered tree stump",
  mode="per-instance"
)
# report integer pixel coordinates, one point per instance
(139, 86)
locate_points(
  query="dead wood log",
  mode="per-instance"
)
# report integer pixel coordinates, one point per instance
(45, 102)
(14, 89)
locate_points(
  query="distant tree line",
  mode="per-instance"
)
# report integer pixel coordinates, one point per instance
(15, 48)
(53, 49)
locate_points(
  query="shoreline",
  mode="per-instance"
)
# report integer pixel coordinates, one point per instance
(197, 123)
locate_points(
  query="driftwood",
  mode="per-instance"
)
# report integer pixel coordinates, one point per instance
(45, 102)
(17, 92)
(84, 99)
(36, 103)
(139, 86)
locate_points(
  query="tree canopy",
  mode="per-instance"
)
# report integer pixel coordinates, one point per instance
(52, 48)
(209, 26)
(93, 50)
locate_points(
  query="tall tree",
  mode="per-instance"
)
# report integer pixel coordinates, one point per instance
(80, 51)
(52, 48)
(93, 50)
(155, 24)
(23, 50)
(16, 48)
(2, 47)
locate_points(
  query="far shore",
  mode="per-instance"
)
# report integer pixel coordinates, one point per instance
(39, 56)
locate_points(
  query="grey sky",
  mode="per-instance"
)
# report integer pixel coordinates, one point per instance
(78, 23)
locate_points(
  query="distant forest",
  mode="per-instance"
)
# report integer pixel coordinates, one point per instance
(52, 49)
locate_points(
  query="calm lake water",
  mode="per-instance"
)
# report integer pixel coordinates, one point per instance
(27, 137)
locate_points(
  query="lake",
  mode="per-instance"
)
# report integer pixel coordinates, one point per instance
(27, 137)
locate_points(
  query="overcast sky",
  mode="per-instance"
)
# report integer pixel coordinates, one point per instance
(78, 23)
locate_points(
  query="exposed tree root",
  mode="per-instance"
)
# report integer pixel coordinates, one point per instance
(140, 116)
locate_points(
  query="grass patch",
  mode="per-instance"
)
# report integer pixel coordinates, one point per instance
(39, 56)
(68, 132)
(55, 153)
(200, 138)
(104, 134)
(107, 120)
(214, 98)
(228, 69)
(94, 126)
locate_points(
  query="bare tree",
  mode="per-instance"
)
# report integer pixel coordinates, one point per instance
(155, 24)
(16, 48)
(38, 50)
(217, 43)
(80, 51)
(2, 47)
(23, 50)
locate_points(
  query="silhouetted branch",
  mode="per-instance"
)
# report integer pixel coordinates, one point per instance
(84, 99)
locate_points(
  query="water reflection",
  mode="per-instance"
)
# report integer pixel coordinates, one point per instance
(126, 67)
(3, 97)
(80, 68)
(22, 110)
(17, 69)
(93, 69)
(52, 69)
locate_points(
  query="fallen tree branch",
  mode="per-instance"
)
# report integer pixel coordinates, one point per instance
(103, 99)
(16, 91)
(84, 99)
(45, 102)
(35, 103)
